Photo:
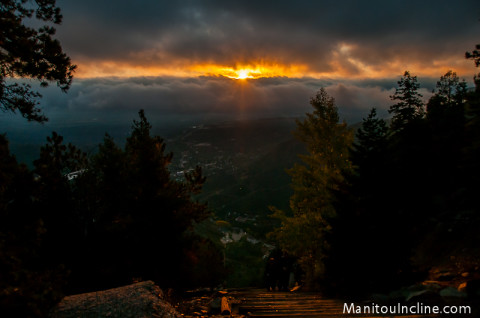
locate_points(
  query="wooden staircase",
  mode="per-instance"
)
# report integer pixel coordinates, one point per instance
(261, 303)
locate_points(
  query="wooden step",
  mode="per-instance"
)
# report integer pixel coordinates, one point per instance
(260, 303)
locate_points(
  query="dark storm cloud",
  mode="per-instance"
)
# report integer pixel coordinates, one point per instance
(163, 32)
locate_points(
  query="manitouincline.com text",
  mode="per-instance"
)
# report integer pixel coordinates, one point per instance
(398, 309)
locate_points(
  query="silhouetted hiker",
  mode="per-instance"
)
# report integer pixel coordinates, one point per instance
(284, 270)
(298, 274)
(270, 274)
(277, 271)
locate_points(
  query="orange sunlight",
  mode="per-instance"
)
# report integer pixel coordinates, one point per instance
(251, 71)
(238, 71)
(340, 67)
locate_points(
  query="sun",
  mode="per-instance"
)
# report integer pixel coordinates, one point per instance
(243, 74)
(252, 71)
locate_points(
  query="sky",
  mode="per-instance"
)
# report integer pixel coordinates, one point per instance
(242, 59)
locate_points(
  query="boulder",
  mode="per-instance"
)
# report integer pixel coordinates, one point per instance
(425, 296)
(452, 292)
(143, 299)
(415, 294)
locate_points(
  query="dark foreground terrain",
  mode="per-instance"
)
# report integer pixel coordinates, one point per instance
(145, 299)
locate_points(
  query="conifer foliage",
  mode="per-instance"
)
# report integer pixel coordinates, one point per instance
(140, 217)
(27, 52)
(304, 234)
(409, 104)
(29, 287)
(78, 224)
(380, 212)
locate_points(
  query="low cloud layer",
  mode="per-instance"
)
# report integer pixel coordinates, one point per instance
(204, 98)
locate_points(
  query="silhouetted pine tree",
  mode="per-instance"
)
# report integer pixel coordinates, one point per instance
(143, 218)
(304, 235)
(55, 198)
(409, 106)
(446, 120)
(29, 286)
(471, 166)
(28, 50)
(366, 228)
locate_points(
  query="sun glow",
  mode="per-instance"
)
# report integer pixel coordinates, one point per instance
(235, 71)
(342, 65)
(251, 71)
(243, 74)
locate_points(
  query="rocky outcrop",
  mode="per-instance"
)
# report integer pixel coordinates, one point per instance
(143, 299)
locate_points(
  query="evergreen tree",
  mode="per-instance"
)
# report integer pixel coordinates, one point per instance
(27, 52)
(470, 165)
(372, 140)
(55, 201)
(409, 106)
(100, 198)
(447, 103)
(452, 173)
(369, 156)
(446, 120)
(30, 281)
(474, 55)
(304, 233)
(143, 218)
(29, 287)
(451, 90)
(409, 145)
(365, 221)
(420, 165)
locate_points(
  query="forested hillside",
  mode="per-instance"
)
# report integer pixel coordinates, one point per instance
(400, 198)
